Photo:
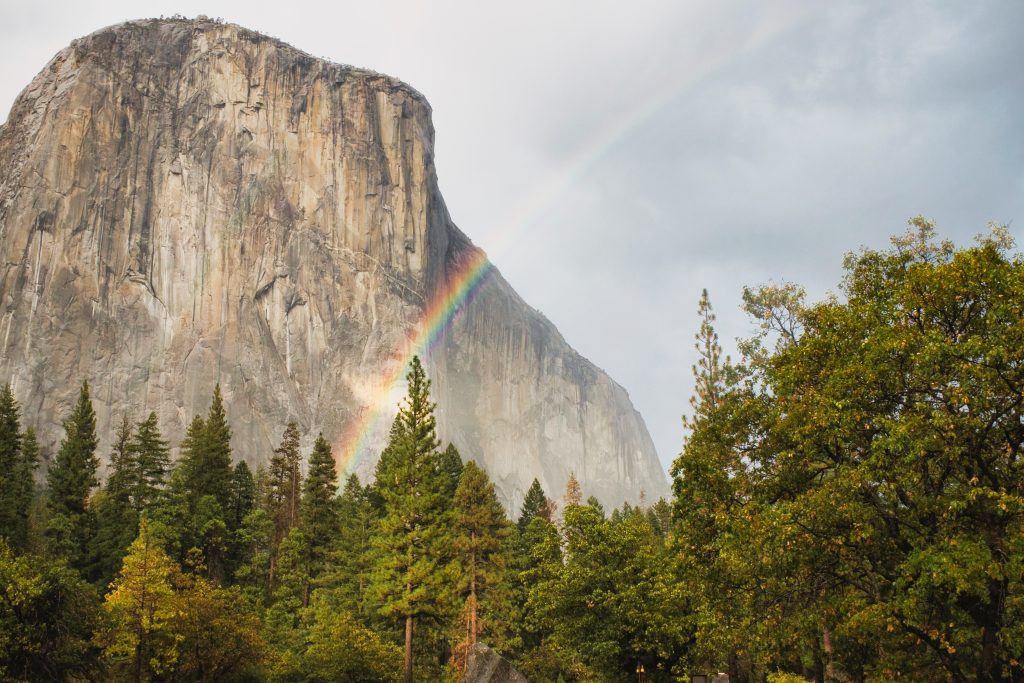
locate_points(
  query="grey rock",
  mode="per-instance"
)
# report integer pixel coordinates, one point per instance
(484, 665)
(184, 203)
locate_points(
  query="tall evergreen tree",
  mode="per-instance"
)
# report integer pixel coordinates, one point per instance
(573, 492)
(152, 462)
(70, 481)
(534, 505)
(351, 557)
(10, 457)
(206, 455)
(18, 458)
(318, 512)
(451, 465)
(480, 539)
(116, 518)
(24, 491)
(282, 497)
(411, 546)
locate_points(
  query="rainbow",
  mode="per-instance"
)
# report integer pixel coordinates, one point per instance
(437, 318)
(451, 297)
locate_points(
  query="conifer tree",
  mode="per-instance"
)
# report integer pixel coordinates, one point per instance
(206, 455)
(283, 490)
(318, 512)
(10, 457)
(116, 518)
(70, 481)
(241, 504)
(152, 462)
(24, 490)
(480, 544)
(351, 559)
(534, 505)
(410, 548)
(451, 465)
(19, 454)
(573, 493)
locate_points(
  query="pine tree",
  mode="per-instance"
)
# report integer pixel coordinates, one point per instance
(480, 544)
(152, 462)
(206, 455)
(573, 493)
(534, 505)
(351, 558)
(10, 457)
(318, 512)
(116, 518)
(70, 481)
(410, 547)
(18, 458)
(243, 495)
(451, 466)
(24, 490)
(283, 490)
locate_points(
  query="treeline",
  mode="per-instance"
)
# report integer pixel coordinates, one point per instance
(205, 570)
(848, 506)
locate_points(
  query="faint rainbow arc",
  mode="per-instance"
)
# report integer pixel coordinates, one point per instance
(437, 317)
(441, 310)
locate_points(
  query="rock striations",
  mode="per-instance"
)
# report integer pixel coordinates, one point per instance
(188, 202)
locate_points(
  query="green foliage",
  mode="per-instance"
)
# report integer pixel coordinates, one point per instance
(19, 457)
(853, 493)
(411, 546)
(351, 559)
(480, 545)
(70, 481)
(164, 624)
(47, 617)
(339, 648)
(534, 505)
(318, 514)
(206, 456)
(151, 458)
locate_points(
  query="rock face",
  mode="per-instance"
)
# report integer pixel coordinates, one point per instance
(484, 665)
(184, 203)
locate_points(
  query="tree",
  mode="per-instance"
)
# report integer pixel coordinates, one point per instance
(19, 455)
(534, 505)
(573, 493)
(140, 641)
(283, 489)
(873, 443)
(152, 462)
(481, 550)
(318, 512)
(410, 546)
(10, 457)
(70, 481)
(47, 617)
(450, 463)
(351, 557)
(206, 455)
(117, 520)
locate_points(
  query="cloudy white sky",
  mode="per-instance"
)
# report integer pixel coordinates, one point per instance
(613, 158)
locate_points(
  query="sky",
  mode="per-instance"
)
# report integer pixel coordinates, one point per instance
(614, 158)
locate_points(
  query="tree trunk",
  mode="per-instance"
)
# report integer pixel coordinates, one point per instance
(408, 649)
(472, 599)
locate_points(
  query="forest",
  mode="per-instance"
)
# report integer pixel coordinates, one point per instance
(847, 506)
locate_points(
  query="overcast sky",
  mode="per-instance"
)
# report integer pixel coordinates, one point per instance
(613, 158)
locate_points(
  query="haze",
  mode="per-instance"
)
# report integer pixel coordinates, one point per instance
(615, 158)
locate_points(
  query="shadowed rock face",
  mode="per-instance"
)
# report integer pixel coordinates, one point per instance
(185, 202)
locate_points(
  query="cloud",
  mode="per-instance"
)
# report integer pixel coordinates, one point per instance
(614, 158)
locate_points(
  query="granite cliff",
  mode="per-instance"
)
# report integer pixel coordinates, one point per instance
(185, 202)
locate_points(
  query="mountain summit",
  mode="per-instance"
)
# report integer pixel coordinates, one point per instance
(185, 203)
